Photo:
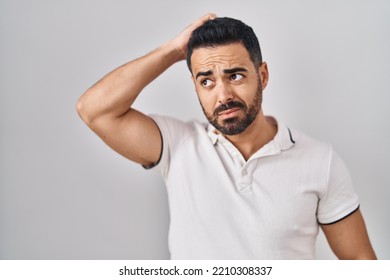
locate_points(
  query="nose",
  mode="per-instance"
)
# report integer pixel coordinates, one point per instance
(225, 93)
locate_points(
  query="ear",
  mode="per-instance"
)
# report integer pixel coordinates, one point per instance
(263, 74)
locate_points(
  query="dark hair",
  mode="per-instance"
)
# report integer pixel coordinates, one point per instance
(223, 31)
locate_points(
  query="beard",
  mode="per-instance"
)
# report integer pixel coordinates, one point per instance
(236, 125)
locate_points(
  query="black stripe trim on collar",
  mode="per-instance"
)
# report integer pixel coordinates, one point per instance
(291, 139)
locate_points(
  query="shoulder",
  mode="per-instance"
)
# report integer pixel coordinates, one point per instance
(174, 128)
(309, 145)
(310, 155)
(179, 138)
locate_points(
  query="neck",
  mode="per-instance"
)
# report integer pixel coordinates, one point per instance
(259, 133)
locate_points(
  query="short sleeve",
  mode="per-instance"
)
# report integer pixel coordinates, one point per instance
(172, 131)
(340, 198)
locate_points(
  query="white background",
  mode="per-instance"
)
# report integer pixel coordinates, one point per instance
(65, 195)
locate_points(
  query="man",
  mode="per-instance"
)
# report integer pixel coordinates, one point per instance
(245, 186)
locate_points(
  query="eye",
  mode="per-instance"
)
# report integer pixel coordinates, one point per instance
(206, 82)
(236, 77)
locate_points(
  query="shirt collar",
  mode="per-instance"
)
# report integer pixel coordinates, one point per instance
(284, 138)
(212, 133)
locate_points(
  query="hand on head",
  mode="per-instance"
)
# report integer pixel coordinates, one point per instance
(181, 41)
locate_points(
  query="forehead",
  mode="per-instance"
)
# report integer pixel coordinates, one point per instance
(224, 57)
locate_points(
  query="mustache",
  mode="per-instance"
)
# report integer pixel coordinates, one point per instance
(229, 105)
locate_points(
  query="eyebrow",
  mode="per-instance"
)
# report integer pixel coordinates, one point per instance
(226, 71)
(205, 73)
(234, 70)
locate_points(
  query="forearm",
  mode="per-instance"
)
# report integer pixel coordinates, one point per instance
(114, 94)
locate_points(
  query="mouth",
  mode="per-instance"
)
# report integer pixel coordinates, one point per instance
(228, 110)
(229, 113)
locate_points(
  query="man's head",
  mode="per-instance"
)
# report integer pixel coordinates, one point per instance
(226, 64)
(223, 31)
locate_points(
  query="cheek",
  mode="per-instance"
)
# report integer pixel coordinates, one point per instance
(207, 100)
(247, 92)
(207, 105)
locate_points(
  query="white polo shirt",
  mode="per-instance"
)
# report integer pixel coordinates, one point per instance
(269, 207)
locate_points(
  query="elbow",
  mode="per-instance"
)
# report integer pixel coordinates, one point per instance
(82, 109)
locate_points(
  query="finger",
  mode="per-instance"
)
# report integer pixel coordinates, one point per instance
(207, 17)
(202, 20)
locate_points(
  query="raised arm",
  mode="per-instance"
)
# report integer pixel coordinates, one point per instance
(106, 106)
(348, 238)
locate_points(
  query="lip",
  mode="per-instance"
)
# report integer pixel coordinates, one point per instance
(229, 113)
